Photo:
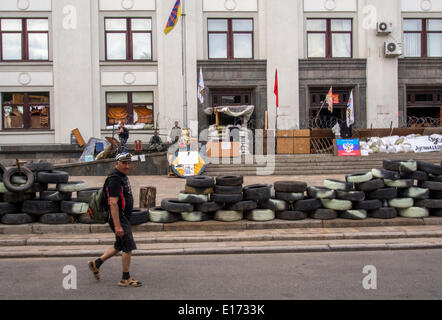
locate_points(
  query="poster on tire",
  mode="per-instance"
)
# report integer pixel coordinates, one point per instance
(426, 144)
(349, 148)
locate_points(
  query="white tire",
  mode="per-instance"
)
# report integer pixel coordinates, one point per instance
(3, 188)
(416, 193)
(338, 185)
(274, 204)
(195, 216)
(414, 212)
(229, 215)
(338, 205)
(193, 198)
(354, 214)
(404, 183)
(71, 187)
(401, 203)
(359, 178)
(260, 215)
(158, 215)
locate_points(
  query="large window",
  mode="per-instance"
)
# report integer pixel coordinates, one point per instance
(230, 38)
(22, 111)
(24, 39)
(129, 107)
(329, 38)
(423, 38)
(128, 39)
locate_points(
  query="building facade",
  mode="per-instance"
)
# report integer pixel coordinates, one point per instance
(85, 64)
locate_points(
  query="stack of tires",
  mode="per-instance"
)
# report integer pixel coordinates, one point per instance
(289, 201)
(228, 195)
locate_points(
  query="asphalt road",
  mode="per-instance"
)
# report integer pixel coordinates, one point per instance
(400, 275)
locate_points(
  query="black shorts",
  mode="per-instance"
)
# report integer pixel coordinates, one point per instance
(127, 243)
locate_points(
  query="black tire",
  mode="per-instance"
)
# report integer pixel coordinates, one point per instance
(226, 198)
(371, 185)
(321, 193)
(351, 195)
(400, 165)
(175, 206)
(429, 204)
(435, 178)
(436, 213)
(291, 215)
(203, 191)
(40, 207)
(436, 195)
(2, 172)
(290, 186)
(242, 206)
(40, 166)
(74, 208)
(55, 196)
(139, 217)
(324, 214)
(86, 195)
(257, 192)
(229, 181)
(8, 208)
(7, 176)
(382, 194)
(38, 187)
(73, 186)
(209, 207)
(18, 197)
(417, 175)
(17, 219)
(432, 185)
(289, 197)
(56, 218)
(415, 193)
(158, 215)
(385, 174)
(383, 213)
(193, 198)
(200, 182)
(367, 205)
(273, 204)
(333, 184)
(227, 189)
(56, 177)
(354, 215)
(430, 168)
(307, 205)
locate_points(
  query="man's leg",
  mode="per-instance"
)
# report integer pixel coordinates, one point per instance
(109, 254)
(126, 257)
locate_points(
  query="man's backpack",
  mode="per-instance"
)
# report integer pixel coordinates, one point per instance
(98, 211)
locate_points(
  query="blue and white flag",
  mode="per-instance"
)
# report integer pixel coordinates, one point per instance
(350, 111)
(201, 87)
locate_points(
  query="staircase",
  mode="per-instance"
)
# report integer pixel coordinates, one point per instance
(281, 165)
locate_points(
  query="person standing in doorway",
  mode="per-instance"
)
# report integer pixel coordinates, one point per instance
(123, 133)
(120, 201)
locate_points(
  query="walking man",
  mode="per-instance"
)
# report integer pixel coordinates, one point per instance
(124, 136)
(120, 200)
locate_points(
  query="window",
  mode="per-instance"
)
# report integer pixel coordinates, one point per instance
(25, 110)
(24, 39)
(129, 107)
(329, 38)
(423, 38)
(128, 39)
(230, 38)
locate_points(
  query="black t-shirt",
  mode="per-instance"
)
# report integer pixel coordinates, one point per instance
(118, 186)
(124, 134)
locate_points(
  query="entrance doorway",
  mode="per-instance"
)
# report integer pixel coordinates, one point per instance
(326, 119)
(424, 107)
(228, 97)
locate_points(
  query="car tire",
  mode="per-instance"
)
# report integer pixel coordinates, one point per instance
(193, 198)
(404, 183)
(7, 176)
(200, 182)
(195, 216)
(18, 197)
(138, 217)
(383, 213)
(226, 198)
(203, 191)
(55, 218)
(176, 206)
(8, 208)
(337, 185)
(291, 215)
(436, 194)
(40, 166)
(307, 205)
(371, 185)
(289, 197)
(74, 186)
(2, 172)
(3, 188)
(321, 193)
(432, 185)
(40, 207)
(429, 204)
(55, 196)
(242, 206)
(17, 219)
(338, 205)
(158, 215)
(436, 213)
(290, 186)
(351, 195)
(417, 175)
(415, 193)
(228, 189)
(209, 207)
(382, 194)
(230, 181)
(385, 174)
(86, 194)
(260, 215)
(228, 215)
(400, 165)
(435, 178)
(324, 214)
(367, 205)
(401, 203)
(74, 208)
(430, 168)
(273, 204)
(54, 177)
(354, 215)
(414, 212)
(359, 177)
(257, 192)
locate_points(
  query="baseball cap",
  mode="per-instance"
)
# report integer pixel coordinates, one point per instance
(124, 157)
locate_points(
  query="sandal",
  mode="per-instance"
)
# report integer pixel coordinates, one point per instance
(94, 269)
(129, 283)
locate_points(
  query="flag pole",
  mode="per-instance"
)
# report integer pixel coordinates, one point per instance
(184, 57)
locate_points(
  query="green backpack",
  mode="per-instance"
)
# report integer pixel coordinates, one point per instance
(98, 211)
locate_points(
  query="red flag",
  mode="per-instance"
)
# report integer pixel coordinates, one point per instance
(276, 89)
(330, 100)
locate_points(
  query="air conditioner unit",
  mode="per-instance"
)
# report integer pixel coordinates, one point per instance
(392, 49)
(385, 28)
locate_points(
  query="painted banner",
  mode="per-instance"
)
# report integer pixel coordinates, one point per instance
(349, 148)
(426, 143)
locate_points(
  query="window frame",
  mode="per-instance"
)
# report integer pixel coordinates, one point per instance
(24, 33)
(130, 106)
(129, 41)
(26, 112)
(329, 38)
(230, 38)
(424, 36)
